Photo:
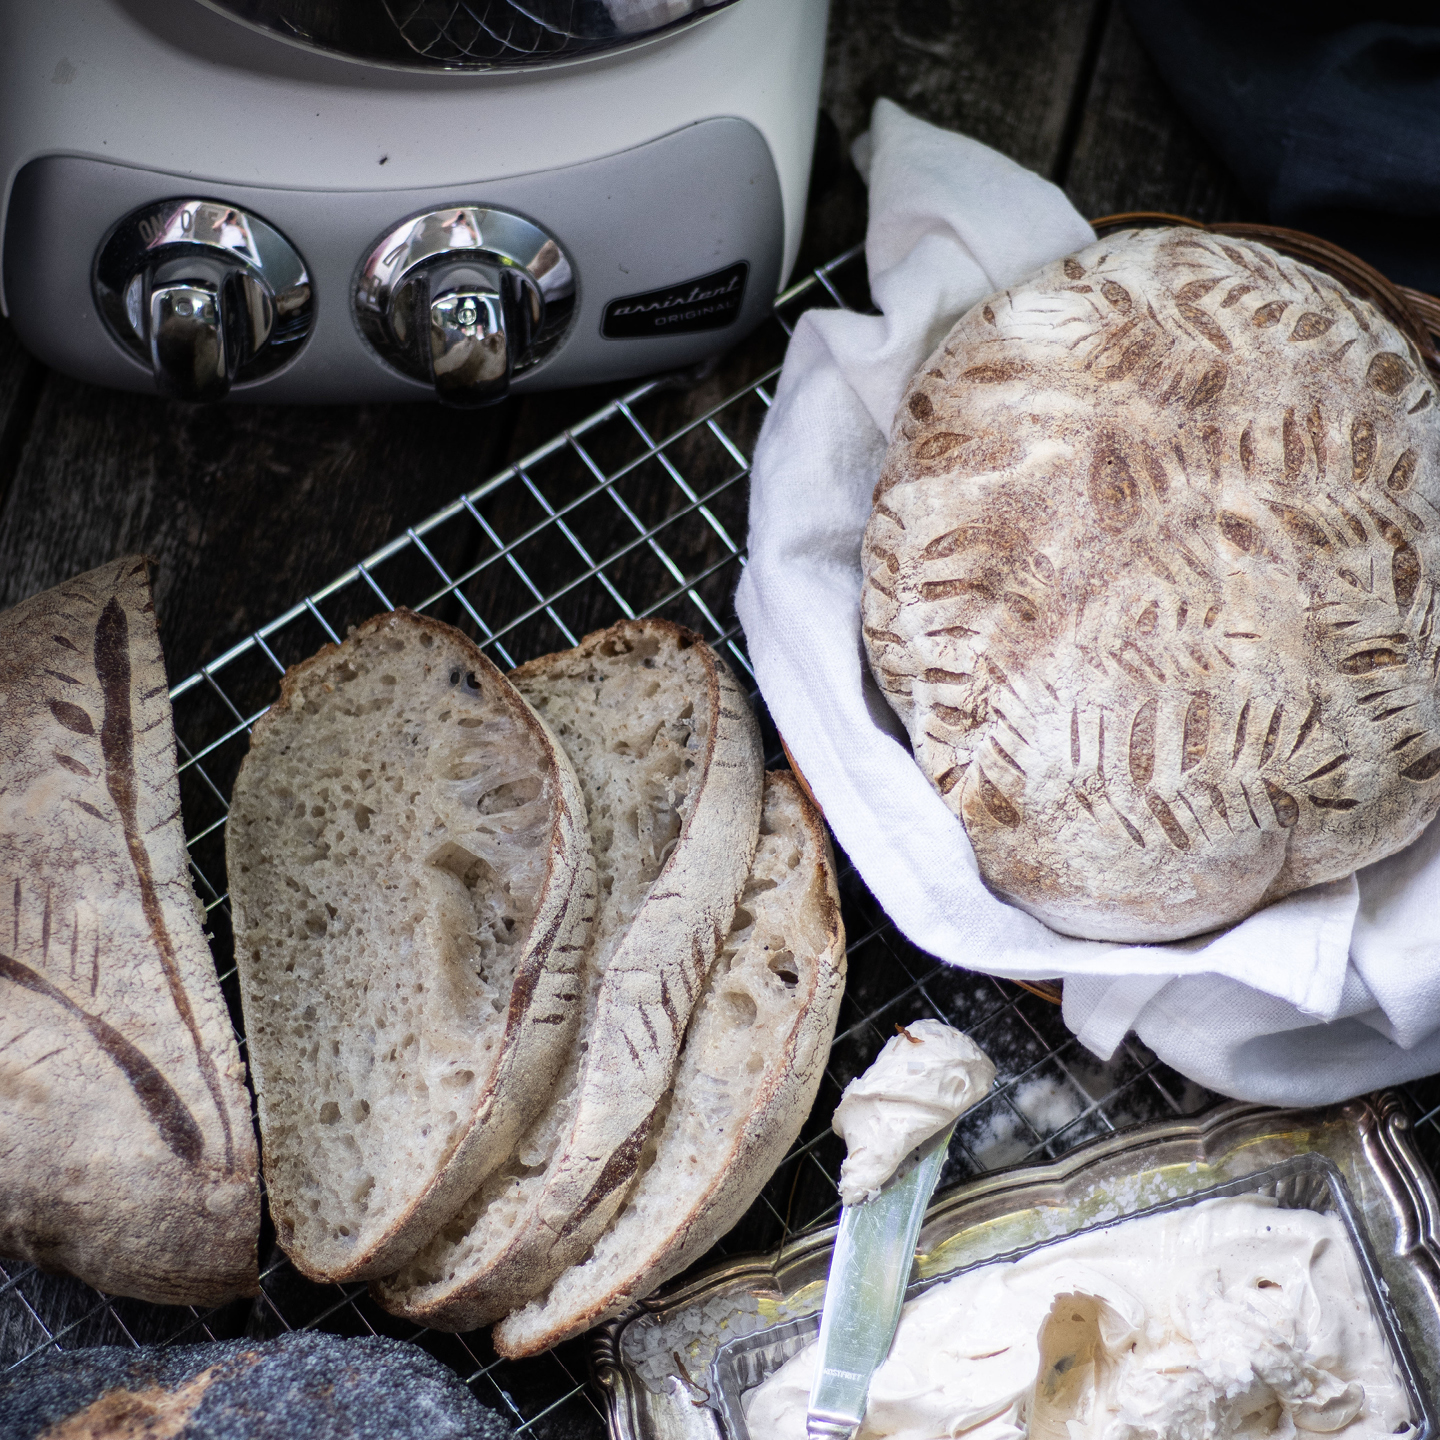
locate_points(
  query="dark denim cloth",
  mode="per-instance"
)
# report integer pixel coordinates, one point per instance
(1329, 114)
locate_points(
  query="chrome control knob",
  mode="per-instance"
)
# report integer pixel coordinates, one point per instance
(464, 299)
(207, 295)
(478, 319)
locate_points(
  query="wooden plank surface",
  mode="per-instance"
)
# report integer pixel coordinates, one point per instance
(245, 508)
(1008, 75)
(1134, 150)
(21, 379)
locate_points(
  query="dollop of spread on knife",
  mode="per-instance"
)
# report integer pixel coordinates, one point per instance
(927, 1076)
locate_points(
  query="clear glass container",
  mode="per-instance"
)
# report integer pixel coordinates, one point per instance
(677, 1366)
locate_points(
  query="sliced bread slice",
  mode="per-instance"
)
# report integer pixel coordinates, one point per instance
(413, 895)
(751, 1065)
(669, 755)
(127, 1156)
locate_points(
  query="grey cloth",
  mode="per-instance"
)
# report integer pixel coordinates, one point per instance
(319, 1387)
(1328, 113)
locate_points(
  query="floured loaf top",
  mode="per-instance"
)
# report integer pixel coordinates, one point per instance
(1150, 580)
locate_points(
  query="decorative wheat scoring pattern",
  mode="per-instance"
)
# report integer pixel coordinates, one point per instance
(129, 1158)
(1150, 577)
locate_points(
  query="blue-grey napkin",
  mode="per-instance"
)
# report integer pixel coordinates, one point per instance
(1328, 113)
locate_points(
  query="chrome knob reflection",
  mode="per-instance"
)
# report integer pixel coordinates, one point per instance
(480, 318)
(207, 295)
(464, 299)
(188, 342)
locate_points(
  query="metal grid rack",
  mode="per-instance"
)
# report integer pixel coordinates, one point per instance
(604, 521)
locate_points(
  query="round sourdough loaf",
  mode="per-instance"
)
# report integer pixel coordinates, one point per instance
(1150, 578)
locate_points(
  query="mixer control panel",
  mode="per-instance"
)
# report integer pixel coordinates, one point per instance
(652, 259)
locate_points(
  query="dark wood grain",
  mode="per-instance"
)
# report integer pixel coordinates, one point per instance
(244, 508)
(20, 381)
(1005, 74)
(1135, 150)
(1010, 75)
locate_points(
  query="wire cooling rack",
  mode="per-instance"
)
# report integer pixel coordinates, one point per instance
(603, 521)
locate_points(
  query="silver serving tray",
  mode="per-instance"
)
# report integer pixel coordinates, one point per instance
(673, 1367)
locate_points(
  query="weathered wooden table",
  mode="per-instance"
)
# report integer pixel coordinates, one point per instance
(248, 509)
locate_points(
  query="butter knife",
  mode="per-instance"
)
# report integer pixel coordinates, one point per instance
(869, 1269)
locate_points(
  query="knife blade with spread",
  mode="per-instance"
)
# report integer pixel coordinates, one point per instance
(896, 1120)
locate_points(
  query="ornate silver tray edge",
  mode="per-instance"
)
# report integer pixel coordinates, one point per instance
(1368, 1139)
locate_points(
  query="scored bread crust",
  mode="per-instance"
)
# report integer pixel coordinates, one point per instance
(492, 841)
(127, 1156)
(748, 1075)
(1150, 579)
(514, 1237)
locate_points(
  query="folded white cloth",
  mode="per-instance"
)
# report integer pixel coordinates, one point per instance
(1330, 992)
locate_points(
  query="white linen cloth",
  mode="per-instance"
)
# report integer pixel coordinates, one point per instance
(1325, 994)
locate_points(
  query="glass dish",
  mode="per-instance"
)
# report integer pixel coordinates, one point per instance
(1308, 1182)
(677, 1365)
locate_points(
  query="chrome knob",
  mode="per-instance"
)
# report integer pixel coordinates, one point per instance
(207, 295)
(479, 319)
(189, 348)
(464, 299)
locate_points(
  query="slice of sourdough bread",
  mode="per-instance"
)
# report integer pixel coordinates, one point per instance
(752, 1061)
(413, 894)
(669, 756)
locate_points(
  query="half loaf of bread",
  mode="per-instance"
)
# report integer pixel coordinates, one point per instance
(413, 893)
(669, 756)
(751, 1065)
(1151, 579)
(127, 1155)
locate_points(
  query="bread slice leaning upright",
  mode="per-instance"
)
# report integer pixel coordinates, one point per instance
(748, 1074)
(413, 894)
(669, 754)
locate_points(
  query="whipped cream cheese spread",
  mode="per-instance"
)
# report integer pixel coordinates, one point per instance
(924, 1078)
(1229, 1318)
